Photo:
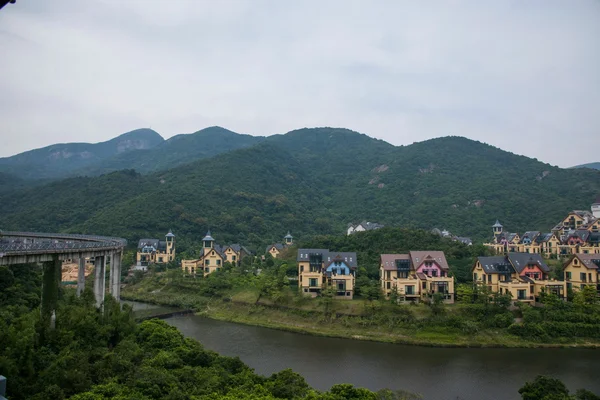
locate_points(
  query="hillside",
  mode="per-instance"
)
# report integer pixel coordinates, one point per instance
(595, 165)
(62, 160)
(313, 181)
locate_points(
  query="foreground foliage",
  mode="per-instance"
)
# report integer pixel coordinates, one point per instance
(103, 354)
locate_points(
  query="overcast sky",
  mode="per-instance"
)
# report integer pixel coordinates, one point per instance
(520, 75)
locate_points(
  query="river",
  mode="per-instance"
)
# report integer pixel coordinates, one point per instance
(436, 373)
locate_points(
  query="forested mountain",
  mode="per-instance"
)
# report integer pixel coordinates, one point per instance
(594, 165)
(178, 150)
(62, 160)
(313, 181)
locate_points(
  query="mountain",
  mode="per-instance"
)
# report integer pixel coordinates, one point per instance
(595, 165)
(61, 160)
(178, 150)
(312, 181)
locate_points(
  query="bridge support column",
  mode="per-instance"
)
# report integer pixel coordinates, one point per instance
(99, 279)
(81, 277)
(52, 274)
(115, 275)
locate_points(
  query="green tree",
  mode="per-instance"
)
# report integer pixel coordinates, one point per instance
(544, 388)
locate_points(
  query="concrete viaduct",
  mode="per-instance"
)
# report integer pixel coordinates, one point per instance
(51, 249)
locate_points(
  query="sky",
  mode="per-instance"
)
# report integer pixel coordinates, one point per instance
(520, 75)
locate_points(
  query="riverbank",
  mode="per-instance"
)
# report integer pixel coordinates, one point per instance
(264, 301)
(346, 326)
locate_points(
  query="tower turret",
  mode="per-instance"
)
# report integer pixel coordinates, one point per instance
(208, 242)
(170, 239)
(497, 227)
(288, 239)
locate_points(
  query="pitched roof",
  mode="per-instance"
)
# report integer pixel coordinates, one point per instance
(531, 235)
(521, 260)
(511, 236)
(497, 224)
(418, 257)
(148, 242)
(582, 234)
(388, 261)
(278, 246)
(464, 240)
(495, 264)
(170, 234)
(544, 237)
(288, 236)
(591, 261)
(328, 256)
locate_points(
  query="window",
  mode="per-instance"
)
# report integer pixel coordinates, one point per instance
(160, 259)
(206, 269)
(434, 272)
(206, 262)
(568, 275)
(341, 286)
(424, 285)
(232, 258)
(489, 279)
(582, 276)
(428, 264)
(389, 285)
(312, 282)
(521, 294)
(218, 262)
(388, 275)
(403, 274)
(475, 276)
(409, 289)
(302, 268)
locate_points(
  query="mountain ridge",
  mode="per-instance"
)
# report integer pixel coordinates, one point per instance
(58, 160)
(256, 193)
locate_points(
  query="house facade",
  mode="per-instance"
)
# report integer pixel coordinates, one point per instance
(155, 251)
(213, 257)
(522, 275)
(581, 270)
(319, 269)
(416, 276)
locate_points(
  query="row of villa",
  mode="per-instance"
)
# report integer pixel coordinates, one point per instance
(410, 277)
(577, 233)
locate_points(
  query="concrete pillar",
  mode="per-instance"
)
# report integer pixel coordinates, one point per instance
(99, 279)
(81, 276)
(115, 274)
(51, 278)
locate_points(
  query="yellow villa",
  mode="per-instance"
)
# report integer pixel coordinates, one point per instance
(154, 251)
(582, 270)
(319, 269)
(275, 249)
(416, 276)
(213, 257)
(522, 275)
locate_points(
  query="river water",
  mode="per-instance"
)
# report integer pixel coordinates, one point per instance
(436, 373)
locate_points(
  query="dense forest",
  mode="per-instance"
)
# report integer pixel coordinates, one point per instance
(96, 354)
(309, 181)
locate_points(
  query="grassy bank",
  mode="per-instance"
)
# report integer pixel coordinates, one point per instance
(352, 319)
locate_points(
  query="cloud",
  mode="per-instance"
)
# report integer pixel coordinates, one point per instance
(522, 76)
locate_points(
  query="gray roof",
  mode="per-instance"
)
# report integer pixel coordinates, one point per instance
(288, 236)
(497, 224)
(170, 234)
(148, 242)
(521, 260)
(494, 265)
(278, 246)
(328, 256)
(531, 235)
(544, 237)
(208, 237)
